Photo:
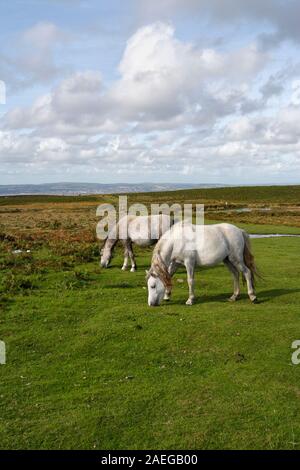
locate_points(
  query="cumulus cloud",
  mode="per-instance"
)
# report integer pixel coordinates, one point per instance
(280, 16)
(162, 79)
(175, 108)
(30, 59)
(44, 35)
(162, 76)
(73, 105)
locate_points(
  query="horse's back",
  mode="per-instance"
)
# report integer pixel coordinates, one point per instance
(231, 232)
(230, 237)
(146, 230)
(207, 244)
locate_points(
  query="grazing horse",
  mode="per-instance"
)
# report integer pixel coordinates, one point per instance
(200, 245)
(141, 230)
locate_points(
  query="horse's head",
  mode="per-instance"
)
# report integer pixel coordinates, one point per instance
(106, 254)
(158, 281)
(156, 289)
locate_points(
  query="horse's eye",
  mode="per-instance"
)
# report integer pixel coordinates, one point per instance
(152, 287)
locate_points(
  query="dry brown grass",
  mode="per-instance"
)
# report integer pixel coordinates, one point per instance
(69, 223)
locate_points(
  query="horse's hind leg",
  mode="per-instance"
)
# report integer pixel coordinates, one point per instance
(249, 280)
(236, 280)
(132, 258)
(251, 291)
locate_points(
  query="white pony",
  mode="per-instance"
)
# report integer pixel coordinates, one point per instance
(200, 245)
(141, 230)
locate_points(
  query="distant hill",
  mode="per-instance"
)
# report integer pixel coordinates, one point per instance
(95, 188)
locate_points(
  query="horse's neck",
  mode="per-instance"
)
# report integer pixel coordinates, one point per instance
(113, 236)
(110, 243)
(165, 249)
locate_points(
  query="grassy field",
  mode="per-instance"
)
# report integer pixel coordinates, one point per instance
(90, 365)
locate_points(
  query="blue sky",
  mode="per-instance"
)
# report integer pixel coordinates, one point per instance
(128, 91)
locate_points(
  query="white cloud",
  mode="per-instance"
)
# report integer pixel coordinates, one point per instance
(281, 17)
(30, 59)
(2, 92)
(161, 76)
(162, 81)
(44, 35)
(175, 108)
(295, 98)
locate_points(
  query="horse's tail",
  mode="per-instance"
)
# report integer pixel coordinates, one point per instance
(249, 258)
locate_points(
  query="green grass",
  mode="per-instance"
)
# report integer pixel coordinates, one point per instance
(238, 195)
(90, 365)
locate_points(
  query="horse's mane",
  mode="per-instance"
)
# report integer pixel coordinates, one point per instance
(160, 270)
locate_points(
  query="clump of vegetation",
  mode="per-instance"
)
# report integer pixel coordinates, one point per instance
(12, 283)
(4, 301)
(80, 252)
(17, 260)
(77, 279)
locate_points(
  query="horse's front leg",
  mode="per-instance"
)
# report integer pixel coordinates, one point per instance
(126, 258)
(172, 268)
(132, 258)
(190, 269)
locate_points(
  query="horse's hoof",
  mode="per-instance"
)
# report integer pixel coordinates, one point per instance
(123, 268)
(233, 298)
(255, 300)
(132, 270)
(189, 302)
(167, 299)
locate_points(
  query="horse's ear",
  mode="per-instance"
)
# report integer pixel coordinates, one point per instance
(147, 272)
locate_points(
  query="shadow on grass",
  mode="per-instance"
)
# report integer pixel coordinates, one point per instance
(120, 285)
(263, 296)
(273, 293)
(5, 302)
